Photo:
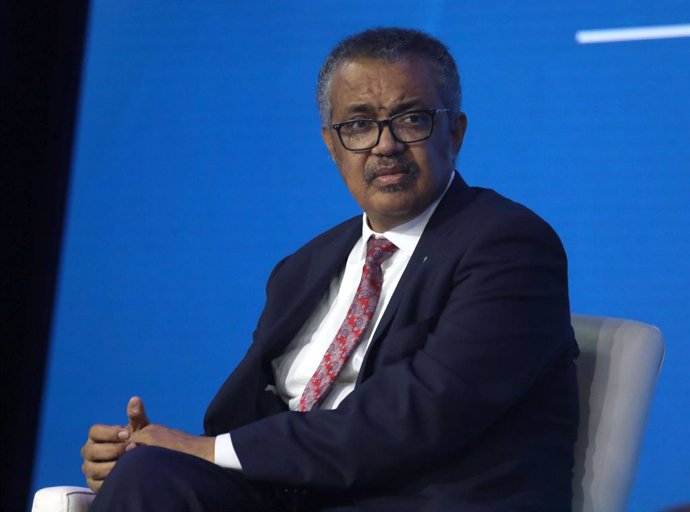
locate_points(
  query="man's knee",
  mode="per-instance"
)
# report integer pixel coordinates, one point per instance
(141, 463)
(151, 478)
(146, 478)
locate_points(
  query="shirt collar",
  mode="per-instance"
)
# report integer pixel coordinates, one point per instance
(405, 236)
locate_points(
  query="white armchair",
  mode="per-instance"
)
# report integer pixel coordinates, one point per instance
(617, 372)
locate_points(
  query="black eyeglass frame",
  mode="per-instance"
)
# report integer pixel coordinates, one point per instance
(387, 122)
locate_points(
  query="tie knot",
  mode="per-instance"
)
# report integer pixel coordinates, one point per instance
(379, 250)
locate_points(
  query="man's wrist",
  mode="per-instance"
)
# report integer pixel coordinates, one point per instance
(203, 447)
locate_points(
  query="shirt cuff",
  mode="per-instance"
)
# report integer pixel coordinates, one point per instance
(224, 453)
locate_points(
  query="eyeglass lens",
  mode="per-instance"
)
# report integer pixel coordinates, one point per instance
(407, 127)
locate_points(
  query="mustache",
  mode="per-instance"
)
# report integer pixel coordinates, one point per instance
(373, 168)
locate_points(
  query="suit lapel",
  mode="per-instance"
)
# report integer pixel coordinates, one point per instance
(324, 262)
(430, 245)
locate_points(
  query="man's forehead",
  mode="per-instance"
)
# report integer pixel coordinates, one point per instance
(406, 66)
(366, 84)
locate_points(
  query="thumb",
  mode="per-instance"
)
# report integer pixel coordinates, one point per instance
(136, 414)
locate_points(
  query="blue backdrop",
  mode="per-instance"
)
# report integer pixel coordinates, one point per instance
(199, 163)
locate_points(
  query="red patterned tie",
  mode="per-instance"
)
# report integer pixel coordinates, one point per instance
(350, 333)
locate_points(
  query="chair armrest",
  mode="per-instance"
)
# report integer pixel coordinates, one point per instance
(62, 499)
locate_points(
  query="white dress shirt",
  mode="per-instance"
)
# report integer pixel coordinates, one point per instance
(295, 367)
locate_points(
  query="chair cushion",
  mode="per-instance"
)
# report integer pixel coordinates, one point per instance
(62, 499)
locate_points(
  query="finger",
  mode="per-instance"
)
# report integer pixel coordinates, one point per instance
(144, 435)
(136, 414)
(152, 435)
(94, 485)
(97, 470)
(99, 452)
(108, 433)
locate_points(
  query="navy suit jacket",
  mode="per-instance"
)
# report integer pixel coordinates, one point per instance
(467, 398)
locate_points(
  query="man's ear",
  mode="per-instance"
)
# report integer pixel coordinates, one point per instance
(327, 136)
(457, 132)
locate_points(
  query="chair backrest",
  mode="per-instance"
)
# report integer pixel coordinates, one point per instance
(617, 371)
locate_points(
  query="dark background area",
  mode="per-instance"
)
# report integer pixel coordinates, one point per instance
(40, 66)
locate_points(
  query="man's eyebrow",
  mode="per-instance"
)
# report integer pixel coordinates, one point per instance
(414, 104)
(366, 108)
(359, 108)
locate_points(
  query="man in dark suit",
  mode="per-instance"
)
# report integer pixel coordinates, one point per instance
(450, 385)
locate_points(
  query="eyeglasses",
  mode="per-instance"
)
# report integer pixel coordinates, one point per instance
(408, 127)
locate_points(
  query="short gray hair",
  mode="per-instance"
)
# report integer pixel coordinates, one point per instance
(391, 45)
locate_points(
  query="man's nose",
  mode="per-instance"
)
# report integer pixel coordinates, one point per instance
(387, 144)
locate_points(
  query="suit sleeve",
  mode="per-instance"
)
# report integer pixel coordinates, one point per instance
(504, 320)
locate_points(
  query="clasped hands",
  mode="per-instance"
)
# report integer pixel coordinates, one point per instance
(106, 443)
